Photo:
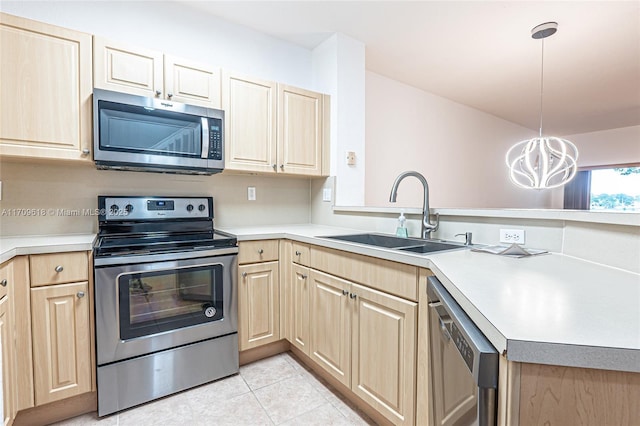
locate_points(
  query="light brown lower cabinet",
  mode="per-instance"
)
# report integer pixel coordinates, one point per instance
(61, 341)
(299, 309)
(7, 361)
(366, 339)
(258, 305)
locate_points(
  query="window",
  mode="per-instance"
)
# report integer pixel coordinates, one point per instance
(616, 189)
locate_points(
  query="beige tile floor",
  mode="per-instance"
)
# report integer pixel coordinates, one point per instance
(279, 390)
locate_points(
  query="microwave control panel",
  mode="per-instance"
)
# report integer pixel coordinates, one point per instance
(215, 139)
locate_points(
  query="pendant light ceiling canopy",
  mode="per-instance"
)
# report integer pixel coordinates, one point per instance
(542, 162)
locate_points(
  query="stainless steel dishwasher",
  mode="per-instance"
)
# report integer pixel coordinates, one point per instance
(464, 364)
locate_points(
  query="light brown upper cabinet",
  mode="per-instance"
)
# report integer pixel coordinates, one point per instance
(45, 91)
(124, 68)
(274, 128)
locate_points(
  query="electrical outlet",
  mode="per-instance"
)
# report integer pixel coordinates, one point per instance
(511, 236)
(251, 193)
(351, 158)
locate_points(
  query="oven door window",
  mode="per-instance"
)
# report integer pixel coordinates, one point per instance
(159, 301)
(141, 130)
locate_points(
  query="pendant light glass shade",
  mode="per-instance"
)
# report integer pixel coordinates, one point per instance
(542, 162)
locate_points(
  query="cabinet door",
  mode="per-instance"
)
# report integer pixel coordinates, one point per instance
(258, 305)
(330, 343)
(300, 307)
(123, 68)
(45, 90)
(454, 391)
(250, 138)
(6, 363)
(299, 131)
(61, 341)
(191, 83)
(384, 353)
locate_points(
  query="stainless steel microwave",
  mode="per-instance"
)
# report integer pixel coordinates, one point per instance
(146, 134)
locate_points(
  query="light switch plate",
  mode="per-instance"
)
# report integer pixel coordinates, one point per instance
(251, 193)
(326, 194)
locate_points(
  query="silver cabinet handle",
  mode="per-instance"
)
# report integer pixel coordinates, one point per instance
(282, 167)
(353, 296)
(4, 282)
(303, 276)
(158, 93)
(345, 292)
(275, 167)
(86, 151)
(169, 95)
(80, 294)
(260, 251)
(244, 275)
(298, 253)
(59, 268)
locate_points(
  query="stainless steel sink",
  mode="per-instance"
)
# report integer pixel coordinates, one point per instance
(414, 245)
(378, 240)
(431, 247)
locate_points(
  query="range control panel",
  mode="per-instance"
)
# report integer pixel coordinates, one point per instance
(119, 208)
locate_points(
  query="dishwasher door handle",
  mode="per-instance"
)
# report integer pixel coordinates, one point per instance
(444, 329)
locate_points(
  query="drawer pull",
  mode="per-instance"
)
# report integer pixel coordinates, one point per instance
(4, 282)
(80, 294)
(345, 292)
(353, 296)
(59, 268)
(303, 276)
(244, 275)
(260, 251)
(298, 253)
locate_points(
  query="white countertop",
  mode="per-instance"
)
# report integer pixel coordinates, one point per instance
(35, 244)
(548, 309)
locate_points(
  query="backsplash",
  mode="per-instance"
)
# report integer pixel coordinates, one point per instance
(43, 198)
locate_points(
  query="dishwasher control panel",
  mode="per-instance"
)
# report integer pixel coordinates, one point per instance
(463, 346)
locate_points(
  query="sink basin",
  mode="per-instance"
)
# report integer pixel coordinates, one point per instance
(378, 240)
(414, 245)
(431, 247)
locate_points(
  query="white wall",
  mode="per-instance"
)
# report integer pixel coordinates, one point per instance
(460, 150)
(339, 68)
(608, 147)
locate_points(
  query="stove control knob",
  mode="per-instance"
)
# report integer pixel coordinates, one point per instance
(189, 207)
(114, 208)
(201, 207)
(128, 208)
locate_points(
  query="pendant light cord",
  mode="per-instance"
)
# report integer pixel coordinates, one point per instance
(541, 85)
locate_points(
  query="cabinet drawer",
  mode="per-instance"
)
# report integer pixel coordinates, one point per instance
(5, 278)
(257, 251)
(384, 275)
(58, 268)
(301, 253)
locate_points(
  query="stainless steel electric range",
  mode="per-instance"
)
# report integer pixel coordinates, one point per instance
(165, 299)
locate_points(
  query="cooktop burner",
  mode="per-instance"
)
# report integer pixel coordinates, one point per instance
(143, 225)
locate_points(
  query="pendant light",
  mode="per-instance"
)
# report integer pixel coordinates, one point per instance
(546, 161)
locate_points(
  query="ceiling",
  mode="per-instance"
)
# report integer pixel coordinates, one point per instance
(480, 53)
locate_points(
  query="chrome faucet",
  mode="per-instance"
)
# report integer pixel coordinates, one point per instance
(427, 227)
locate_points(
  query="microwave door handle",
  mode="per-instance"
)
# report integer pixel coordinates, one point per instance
(205, 137)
